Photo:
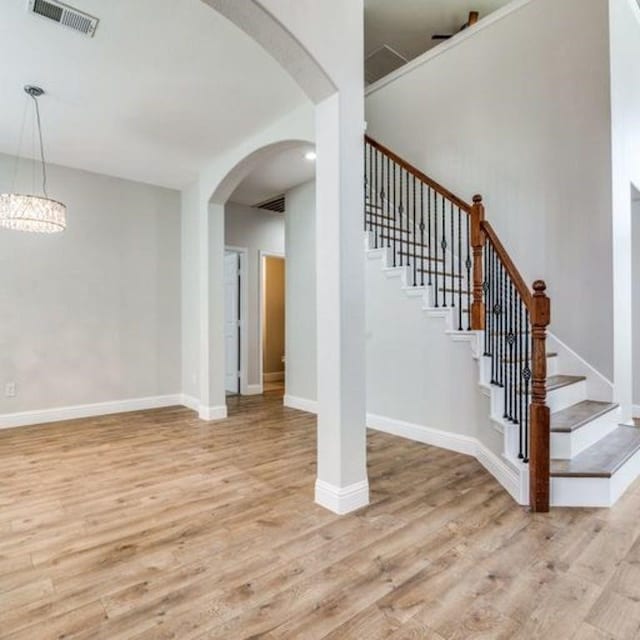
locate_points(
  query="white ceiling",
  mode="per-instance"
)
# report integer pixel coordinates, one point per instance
(163, 86)
(276, 176)
(407, 25)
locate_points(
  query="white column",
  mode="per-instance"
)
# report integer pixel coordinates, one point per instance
(212, 356)
(342, 484)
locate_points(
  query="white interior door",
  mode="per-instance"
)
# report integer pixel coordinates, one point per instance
(232, 320)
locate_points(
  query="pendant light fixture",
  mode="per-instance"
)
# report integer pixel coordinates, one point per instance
(37, 213)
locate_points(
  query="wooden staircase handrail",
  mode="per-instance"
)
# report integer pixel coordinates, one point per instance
(514, 274)
(458, 202)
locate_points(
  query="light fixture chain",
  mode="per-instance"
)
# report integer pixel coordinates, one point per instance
(44, 167)
(16, 164)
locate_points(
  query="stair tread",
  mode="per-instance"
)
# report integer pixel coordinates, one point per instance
(577, 415)
(602, 459)
(557, 382)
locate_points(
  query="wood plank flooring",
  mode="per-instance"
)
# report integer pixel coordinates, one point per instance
(154, 525)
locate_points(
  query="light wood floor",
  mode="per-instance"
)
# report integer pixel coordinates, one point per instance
(153, 525)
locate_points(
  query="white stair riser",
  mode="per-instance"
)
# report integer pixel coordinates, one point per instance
(565, 446)
(512, 441)
(564, 397)
(595, 492)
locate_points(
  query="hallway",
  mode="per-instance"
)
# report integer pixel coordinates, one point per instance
(155, 525)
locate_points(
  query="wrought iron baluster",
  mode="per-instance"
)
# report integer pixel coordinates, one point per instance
(460, 281)
(415, 237)
(487, 303)
(407, 221)
(511, 341)
(452, 246)
(500, 323)
(443, 246)
(494, 334)
(401, 215)
(468, 267)
(422, 234)
(429, 237)
(395, 213)
(374, 190)
(436, 283)
(367, 154)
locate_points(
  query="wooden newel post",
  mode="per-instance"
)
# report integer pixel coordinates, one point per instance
(477, 243)
(540, 435)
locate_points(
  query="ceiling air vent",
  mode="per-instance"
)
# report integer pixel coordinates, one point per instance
(273, 204)
(65, 15)
(381, 63)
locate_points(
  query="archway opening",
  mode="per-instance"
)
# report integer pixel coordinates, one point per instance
(265, 208)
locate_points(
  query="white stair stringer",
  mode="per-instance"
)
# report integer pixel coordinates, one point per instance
(508, 469)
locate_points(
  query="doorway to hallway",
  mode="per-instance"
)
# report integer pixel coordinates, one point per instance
(233, 312)
(273, 358)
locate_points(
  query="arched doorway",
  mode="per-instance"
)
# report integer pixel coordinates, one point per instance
(330, 71)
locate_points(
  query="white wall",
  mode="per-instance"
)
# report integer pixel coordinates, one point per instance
(635, 296)
(415, 372)
(92, 314)
(256, 230)
(519, 111)
(190, 293)
(624, 21)
(300, 221)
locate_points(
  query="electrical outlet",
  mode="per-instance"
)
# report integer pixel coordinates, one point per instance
(10, 389)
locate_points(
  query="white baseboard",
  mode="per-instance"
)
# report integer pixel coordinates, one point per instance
(503, 472)
(275, 376)
(508, 477)
(212, 413)
(426, 435)
(302, 404)
(342, 500)
(24, 418)
(253, 390)
(190, 402)
(636, 410)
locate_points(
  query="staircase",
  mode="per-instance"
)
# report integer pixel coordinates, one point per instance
(562, 434)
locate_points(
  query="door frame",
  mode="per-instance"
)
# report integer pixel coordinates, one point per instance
(243, 257)
(269, 254)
